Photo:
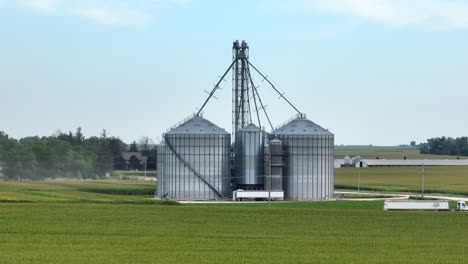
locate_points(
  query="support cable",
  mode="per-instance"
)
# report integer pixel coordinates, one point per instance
(215, 88)
(247, 89)
(274, 88)
(248, 103)
(259, 99)
(254, 98)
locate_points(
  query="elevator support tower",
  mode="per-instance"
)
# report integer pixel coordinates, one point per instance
(243, 90)
(240, 87)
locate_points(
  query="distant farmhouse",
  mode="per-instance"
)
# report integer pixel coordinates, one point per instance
(130, 161)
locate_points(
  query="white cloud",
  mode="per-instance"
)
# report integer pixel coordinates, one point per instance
(48, 6)
(115, 17)
(432, 14)
(117, 13)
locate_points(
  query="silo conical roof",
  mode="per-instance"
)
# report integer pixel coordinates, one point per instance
(275, 141)
(302, 126)
(197, 125)
(250, 128)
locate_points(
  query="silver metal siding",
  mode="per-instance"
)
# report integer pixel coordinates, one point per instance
(205, 171)
(250, 147)
(309, 172)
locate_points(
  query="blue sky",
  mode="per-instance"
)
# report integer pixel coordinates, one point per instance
(380, 72)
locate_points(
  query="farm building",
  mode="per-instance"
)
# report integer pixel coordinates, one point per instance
(130, 161)
(409, 162)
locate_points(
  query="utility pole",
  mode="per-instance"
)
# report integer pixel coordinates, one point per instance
(269, 178)
(359, 180)
(422, 183)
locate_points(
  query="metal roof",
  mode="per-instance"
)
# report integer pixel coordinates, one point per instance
(127, 155)
(250, 128)
(275, 141)
(302, 126)
(197, 125)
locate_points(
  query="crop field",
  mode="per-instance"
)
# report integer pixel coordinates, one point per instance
(76, 191)
(327, 232)
(397, 152)
(445, 179)
(129, 174)
(118, 222)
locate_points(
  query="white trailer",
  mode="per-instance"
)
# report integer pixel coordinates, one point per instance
(252, 195)
(416, 205)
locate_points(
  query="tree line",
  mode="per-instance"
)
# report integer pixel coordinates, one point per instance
(66, 155)
(446, 146)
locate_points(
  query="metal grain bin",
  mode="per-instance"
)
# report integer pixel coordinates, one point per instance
(195, 162)
(250, 144)
(309, 160)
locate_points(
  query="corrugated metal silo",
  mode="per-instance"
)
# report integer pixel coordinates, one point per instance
(195, 162)
(250, 145)
(309, 160)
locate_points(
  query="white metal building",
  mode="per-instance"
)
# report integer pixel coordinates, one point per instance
(410, 162)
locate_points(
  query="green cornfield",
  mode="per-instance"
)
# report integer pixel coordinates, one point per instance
(327, 232)
(444, 179)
